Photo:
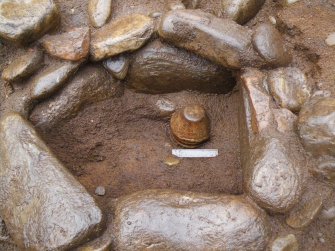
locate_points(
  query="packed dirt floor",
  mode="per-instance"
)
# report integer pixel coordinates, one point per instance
(119, 145)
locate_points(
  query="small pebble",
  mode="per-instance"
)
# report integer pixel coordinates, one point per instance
(331, 39)
(100, 190)
(171, 161)
(273, 20)
(328, 214)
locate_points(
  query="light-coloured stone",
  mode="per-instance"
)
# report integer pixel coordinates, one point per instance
(286, 243)
(26, 20)
(331, 39)
(117, 66)
(316, 126)
(289, 87)
(125, 34)
(99, 12)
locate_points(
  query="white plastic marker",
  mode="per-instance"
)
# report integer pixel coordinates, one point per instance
(195, 153)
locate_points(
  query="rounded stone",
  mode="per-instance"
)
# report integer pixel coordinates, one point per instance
(99, 12)
(269, 43)
(24, 66)
(190, 126)
(316, 126)
(289, 87)
(24, 21)
(241, 11)
(100, 190)
(168, 220)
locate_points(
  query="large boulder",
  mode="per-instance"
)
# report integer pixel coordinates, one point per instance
(43, 205)
(167, 220)
(220, 40)
(161, 68)
(23, 21)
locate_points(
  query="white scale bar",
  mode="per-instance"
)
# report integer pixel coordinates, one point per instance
(195, 153)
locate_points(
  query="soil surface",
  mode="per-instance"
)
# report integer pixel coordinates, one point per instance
(118, 145)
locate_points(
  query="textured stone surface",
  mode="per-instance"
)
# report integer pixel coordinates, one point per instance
(73, 45)
(272, 176)
(286, 120)
(99, 12)
(24, 66)
(255, 113)
(92, 84)
(43, 206)
(289, 87)
(125, 34)
(220, 40)
(26, 20)
(270, 45)
(117, 66)
(305, 213)
(317, 126)
(241, 11)
(325, 168)
(167, 220)
(52, 79)
(286, 243)
(161, 68)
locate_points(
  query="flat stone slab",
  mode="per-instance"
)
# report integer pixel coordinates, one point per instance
(43, 205)
(125, 34)
(168, 220)
(26, 20)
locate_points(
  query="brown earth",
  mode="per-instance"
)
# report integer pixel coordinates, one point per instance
(117, 144)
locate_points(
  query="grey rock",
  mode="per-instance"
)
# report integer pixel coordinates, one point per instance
(269, 43)
(52, 79)
(220, 40)
(168, 220)
(100, 190)
(161, 68)
(241, 11)
(289, 87)
(24, 66)
(272, 176)
(316, 126)
(117, 66)
(328, 213)
(125, 34)
(24, 21)
(286, 243)
(99, 12)
(44, 207)
(91, 84)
